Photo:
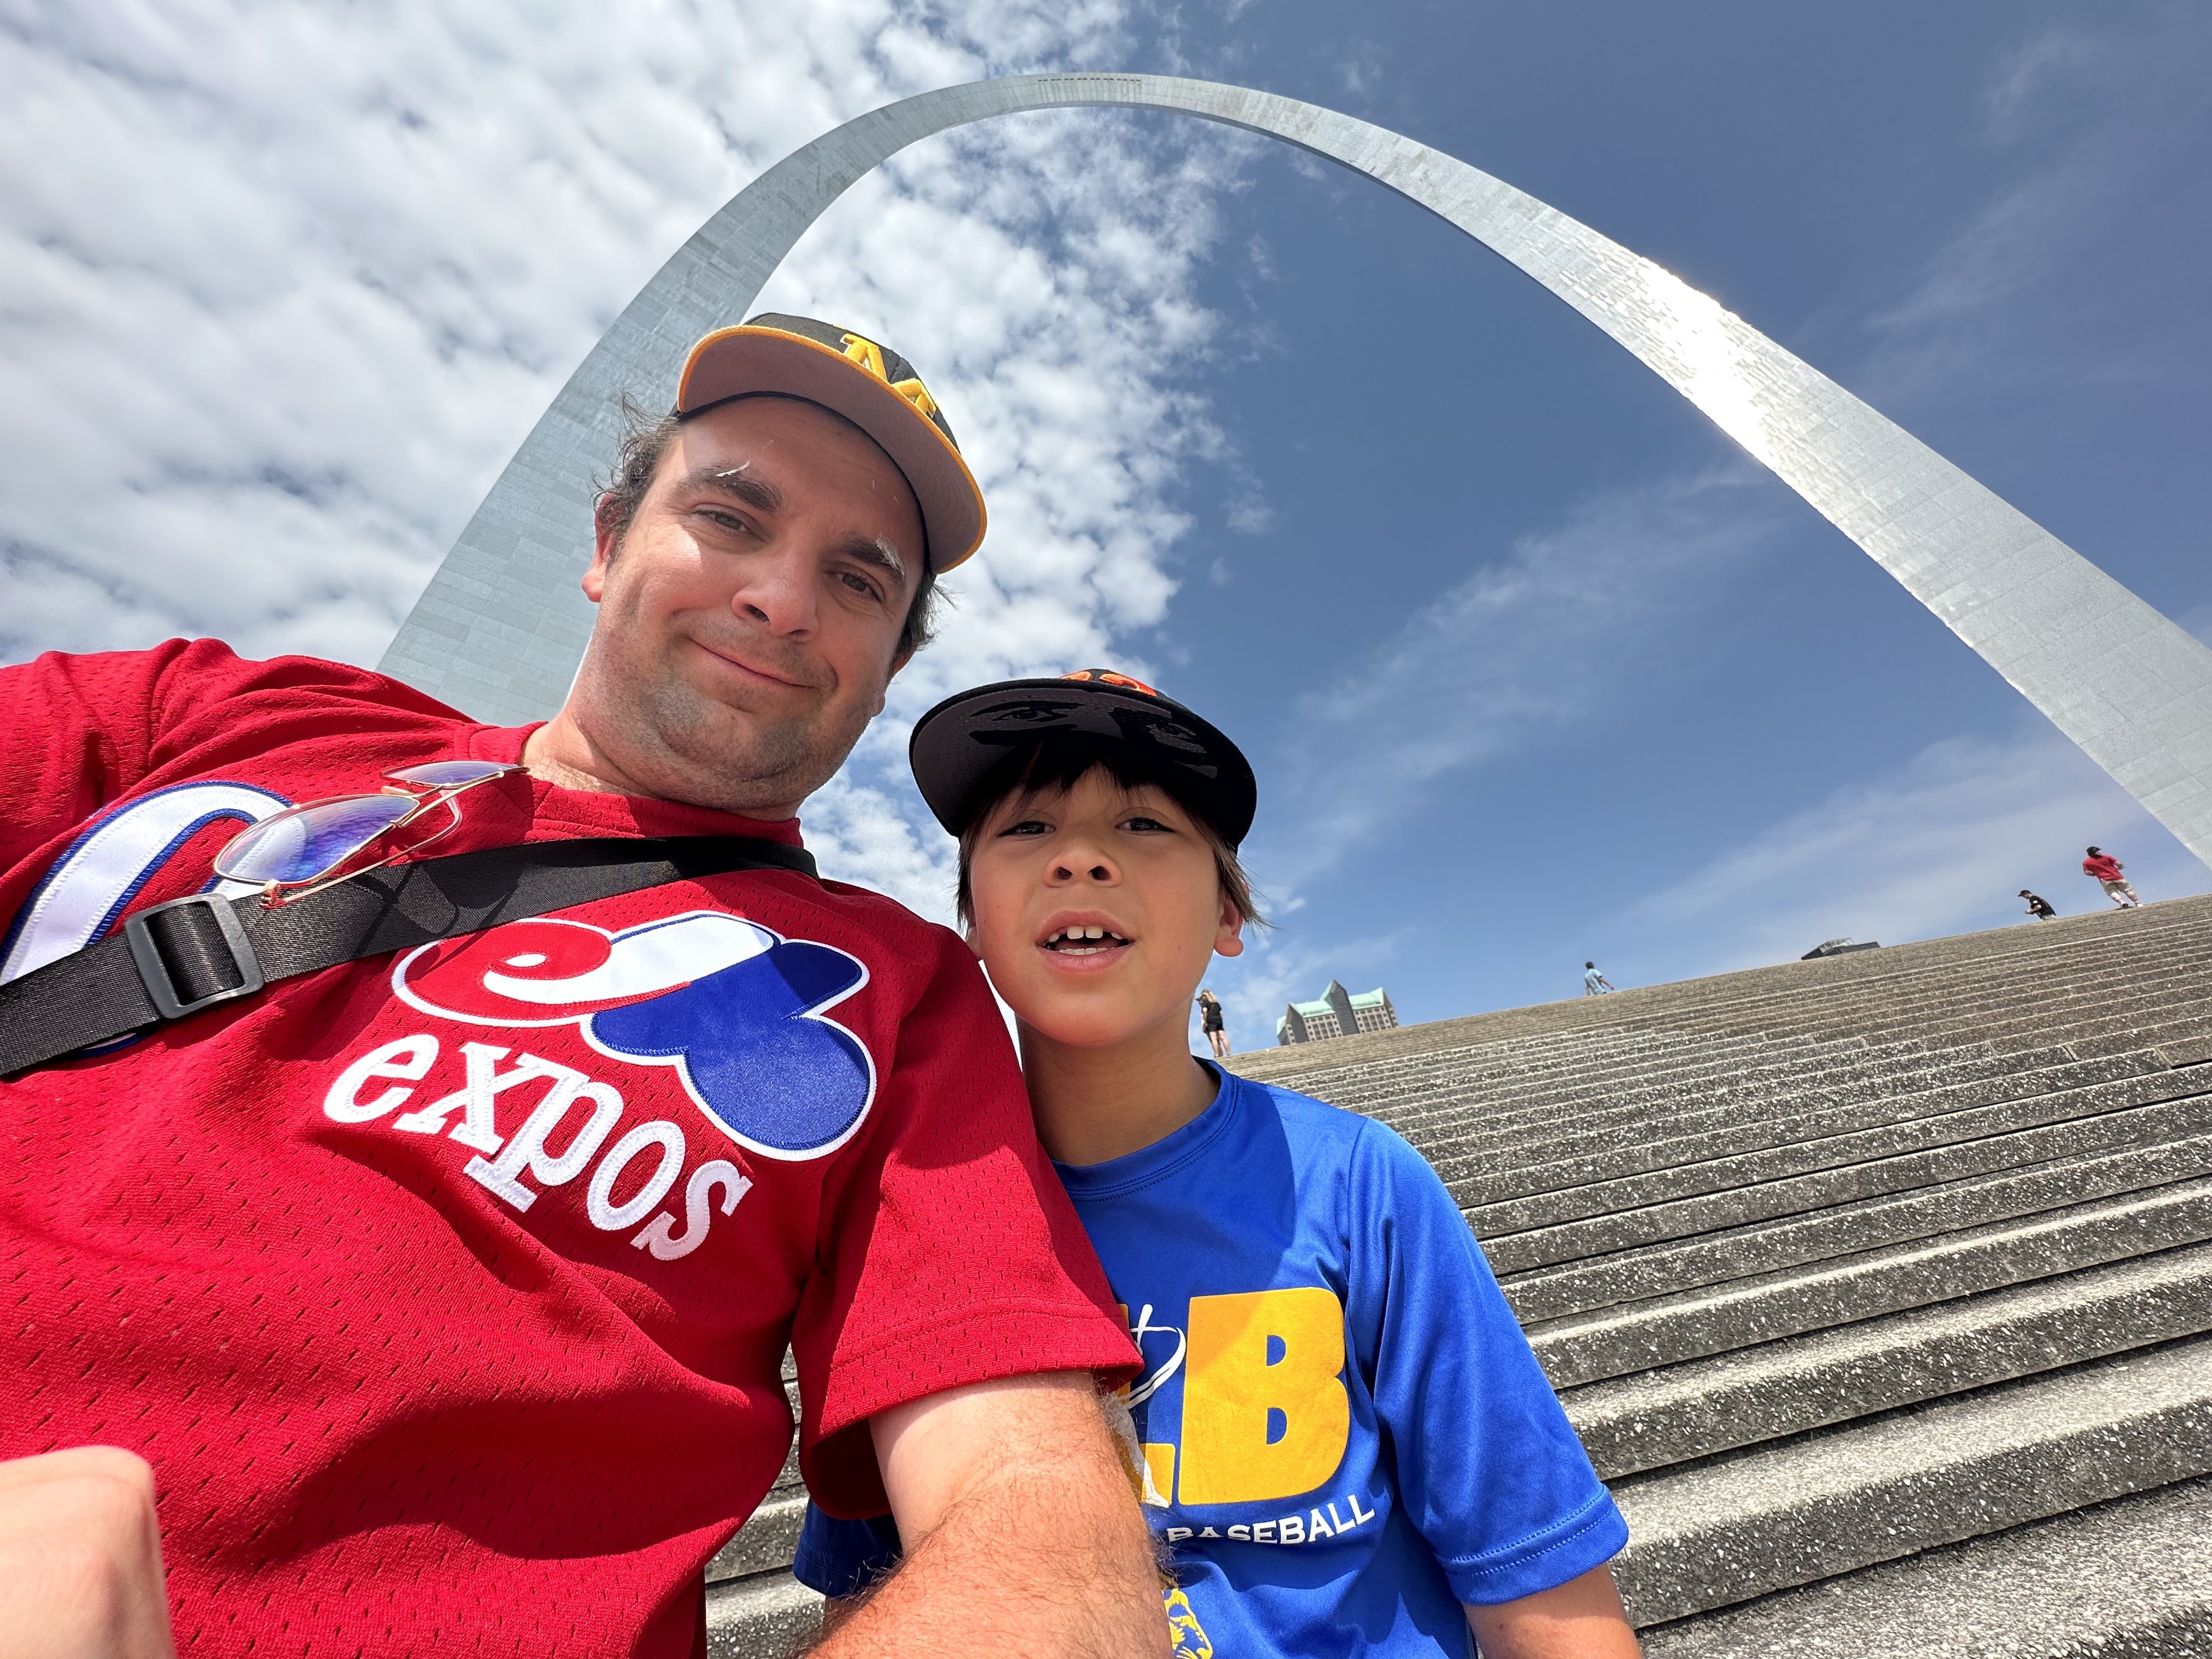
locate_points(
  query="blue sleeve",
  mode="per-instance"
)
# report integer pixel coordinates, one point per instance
(1488, 1469)
(844, 1558)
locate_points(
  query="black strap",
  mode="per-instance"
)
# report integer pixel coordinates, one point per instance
(173, 960)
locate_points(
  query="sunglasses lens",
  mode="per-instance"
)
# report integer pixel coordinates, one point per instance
(443, 775)
(306, 842)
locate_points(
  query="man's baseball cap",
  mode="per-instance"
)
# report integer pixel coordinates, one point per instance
(957, 744)
(867, 382)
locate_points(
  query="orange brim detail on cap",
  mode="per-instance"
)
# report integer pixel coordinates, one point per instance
(745, 360)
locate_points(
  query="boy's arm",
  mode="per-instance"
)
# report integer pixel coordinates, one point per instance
(1581, 1619)
(1023, 1536)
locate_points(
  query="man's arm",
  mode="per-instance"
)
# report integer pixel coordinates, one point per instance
(81, 1558)
(1581, 1619)
(1022, 1534)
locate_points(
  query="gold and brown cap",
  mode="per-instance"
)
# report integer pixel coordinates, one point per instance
(867, 383)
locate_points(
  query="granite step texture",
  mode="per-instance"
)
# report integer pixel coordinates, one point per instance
(1879, 1288)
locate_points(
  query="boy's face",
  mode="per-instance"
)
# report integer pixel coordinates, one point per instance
(1049, 873)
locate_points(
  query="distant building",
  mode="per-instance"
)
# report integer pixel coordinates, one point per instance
(1339, 1012)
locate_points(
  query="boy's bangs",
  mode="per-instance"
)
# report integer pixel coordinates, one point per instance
(1055, 765)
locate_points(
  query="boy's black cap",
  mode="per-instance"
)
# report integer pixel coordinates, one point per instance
(956, 744)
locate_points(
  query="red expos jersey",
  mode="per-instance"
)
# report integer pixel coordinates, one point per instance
(446, 1292)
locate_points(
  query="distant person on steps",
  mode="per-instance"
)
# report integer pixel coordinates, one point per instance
(1595, 984)
(1210, 1021)
(2106, 869)
(2038, 907)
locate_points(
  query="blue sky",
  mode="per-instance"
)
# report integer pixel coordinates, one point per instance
(1537, 665)
(1534, 664)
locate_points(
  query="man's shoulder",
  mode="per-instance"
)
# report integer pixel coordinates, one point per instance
(869, 908)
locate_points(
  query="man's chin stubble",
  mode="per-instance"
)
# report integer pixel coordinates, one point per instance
(743, 764)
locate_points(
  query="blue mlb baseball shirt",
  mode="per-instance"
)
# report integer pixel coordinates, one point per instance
(1344, 1428)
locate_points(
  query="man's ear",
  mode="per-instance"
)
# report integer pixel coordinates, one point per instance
(604, 539)
(1229, 934)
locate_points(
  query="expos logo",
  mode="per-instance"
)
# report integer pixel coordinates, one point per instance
(735, 1008)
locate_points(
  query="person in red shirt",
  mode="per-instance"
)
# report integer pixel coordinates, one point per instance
(2105, 869)
(438, 1300)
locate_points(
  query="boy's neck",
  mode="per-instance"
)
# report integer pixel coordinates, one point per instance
(1095, 1104)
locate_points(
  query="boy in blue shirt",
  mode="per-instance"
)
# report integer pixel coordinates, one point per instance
(1347, 1447)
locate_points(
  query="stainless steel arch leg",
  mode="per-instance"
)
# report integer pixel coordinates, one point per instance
(501, 627)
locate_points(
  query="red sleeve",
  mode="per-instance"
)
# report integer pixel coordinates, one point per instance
(950, 1254)
(76, 733)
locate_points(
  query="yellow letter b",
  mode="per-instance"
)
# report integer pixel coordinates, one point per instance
(1264, 1413)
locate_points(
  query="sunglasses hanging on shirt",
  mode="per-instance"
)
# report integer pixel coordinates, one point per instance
(304, 848)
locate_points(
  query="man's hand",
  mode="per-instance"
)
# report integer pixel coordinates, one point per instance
(1022, 1534)
(1581, 1619)
(81, 1558)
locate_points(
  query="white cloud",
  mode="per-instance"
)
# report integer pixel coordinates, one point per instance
(1940, 846)
(1541, 639)
(286, 283)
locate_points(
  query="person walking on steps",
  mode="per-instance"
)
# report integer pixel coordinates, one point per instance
(2106, 869)
(1210, 1021)
(1595, 984)
(2039, 906)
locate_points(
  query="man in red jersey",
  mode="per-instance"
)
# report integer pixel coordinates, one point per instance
(445, 1292)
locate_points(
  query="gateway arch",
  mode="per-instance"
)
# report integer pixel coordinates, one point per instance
(501, 627)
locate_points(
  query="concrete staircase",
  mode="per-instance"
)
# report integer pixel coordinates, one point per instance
(1880, 1287)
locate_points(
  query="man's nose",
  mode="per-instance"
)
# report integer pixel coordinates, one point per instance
(777, 588)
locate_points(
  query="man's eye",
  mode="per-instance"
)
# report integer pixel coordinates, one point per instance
(860, 585)
(716, 516)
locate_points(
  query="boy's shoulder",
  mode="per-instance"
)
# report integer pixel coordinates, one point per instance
(1318, 1132)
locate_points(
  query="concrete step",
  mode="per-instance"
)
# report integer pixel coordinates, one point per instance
(1585, 1065)
(2127, 1579)
(1703, 1006)
(2138, 1022)
(1619, 1340)
(2060, 994)
(769, 1616)
(1534, 1113)
(2155, 929)
(1536, 1133)
(1703, 1407)
(1601, 1171)
(1551, 1293)
(2066, 1130)
(1744, 1525)
(768, 1540)
(1663, 1135)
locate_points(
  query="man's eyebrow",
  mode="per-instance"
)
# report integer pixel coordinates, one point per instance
(756, 493)
(877, 550)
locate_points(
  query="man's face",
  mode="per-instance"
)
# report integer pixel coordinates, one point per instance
(749, 616)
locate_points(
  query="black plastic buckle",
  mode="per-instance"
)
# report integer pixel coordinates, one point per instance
(154, 972)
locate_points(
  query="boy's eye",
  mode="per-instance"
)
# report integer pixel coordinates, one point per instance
(1142, 823)
(1028, 827)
